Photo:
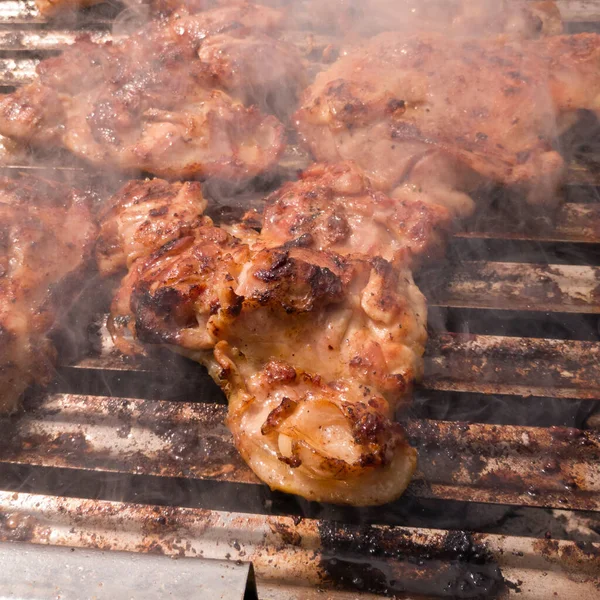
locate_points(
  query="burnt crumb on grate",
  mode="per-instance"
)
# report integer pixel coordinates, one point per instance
(17, 527)
(395, 561)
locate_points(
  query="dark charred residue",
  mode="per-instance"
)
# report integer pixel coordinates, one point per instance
(403, 130)
(325, 283)
(280, 372)
(159, 212)
(288, 533)
(292, 461)
(338, 228)
(382, 267)
(369, 426)
(396, 106)
(235, 307)
(278, 415)
(579, 557)
(306, 240)
(280, 268)
(392, 561)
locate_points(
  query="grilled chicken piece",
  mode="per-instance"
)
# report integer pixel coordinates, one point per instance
(322, 351)
(177, 99)
(46, 234)
(334, 207)
(492, 112)
(261, 314)
(142, 217)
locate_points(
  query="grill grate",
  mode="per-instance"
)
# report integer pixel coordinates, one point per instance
(115, 456)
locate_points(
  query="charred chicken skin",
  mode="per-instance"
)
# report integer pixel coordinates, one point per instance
(181, 98)
(335, 207)
(261, 311)
(144, 216)
(46, 235)
(492, 113)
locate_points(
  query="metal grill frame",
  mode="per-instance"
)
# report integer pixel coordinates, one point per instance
(81, 430)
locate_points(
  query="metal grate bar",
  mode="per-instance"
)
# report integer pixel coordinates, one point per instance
(25, 12)
(517, 286)
(579, 10)
(19, 12)
(291, 555)
(41, 40)
(579, 223)
(582, 175)
(513, 366)
(17, 71)
(466, 363)
(555, 467)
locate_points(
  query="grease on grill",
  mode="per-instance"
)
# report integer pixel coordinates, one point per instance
(393, 561)
(540, 364)
(546, 465)
(196, 447)
(581, 556)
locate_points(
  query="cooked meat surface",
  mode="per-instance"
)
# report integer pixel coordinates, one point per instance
(181, 98)
(315, 344)
(491, 113)
(144, 216)
(335, 207)
(46, 234)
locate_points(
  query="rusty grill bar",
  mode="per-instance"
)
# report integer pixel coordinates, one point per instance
(107, 422)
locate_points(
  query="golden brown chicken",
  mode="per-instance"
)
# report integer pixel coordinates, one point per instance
(314, 347)
(181, 98)
(144, 216)
(335, 207)
(322, 351)
(46, 234)
(433, 116)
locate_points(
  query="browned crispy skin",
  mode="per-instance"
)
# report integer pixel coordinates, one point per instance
(46, 234)
(335, 207)
(491, 113)
(181, 98)
(144, 216)
(314, 347)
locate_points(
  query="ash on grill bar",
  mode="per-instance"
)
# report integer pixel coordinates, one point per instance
(126, 452)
